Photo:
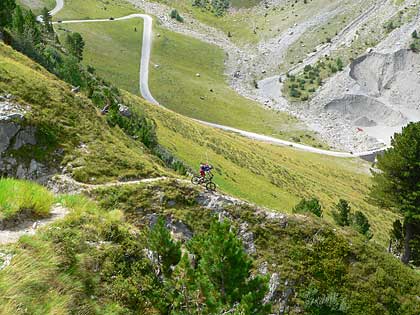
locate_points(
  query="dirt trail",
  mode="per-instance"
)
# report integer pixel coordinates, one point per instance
(29, 227)
(66, 184)
(62, 184)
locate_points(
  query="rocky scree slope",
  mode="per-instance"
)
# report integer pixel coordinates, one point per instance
(374, 97)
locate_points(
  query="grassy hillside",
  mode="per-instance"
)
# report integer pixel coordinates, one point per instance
(88, 9)
(100, 259)
(95, 261)
(70, 129)
(326, 269)
(276, 177)
(113, 49)
(175, 61)
(253, 24)
(93, 152)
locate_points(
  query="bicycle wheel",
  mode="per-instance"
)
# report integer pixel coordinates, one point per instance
(196, 180)
(211, 186)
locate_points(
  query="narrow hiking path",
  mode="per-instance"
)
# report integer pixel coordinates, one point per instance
(66, 184)
(145, 91)
(29, 227)
(63, 184)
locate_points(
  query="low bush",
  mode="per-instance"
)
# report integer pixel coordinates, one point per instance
(309, 205)
(175, 15)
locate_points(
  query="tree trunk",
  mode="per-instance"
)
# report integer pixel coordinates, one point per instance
(409, 228)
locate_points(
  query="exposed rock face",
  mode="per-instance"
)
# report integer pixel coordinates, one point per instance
(272, 288)
(14, 135)
(7, 131)
(179, 230)
(10, 116)
(247, 238)
(24, 137)
(218, 203)
(124, 110)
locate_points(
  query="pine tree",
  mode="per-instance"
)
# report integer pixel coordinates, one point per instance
(309, 205)
(18, 20)
(340, 64)
(342, 213)
(79, 45)
(223, 261)
(397, 185)
(46, 19)
(75, 44)
(168, 252)
(361, 223)
(396, 238)
(193, 293)
(31, 30)
(6, 10)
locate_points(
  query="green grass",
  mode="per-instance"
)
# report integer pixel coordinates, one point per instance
(17, 196)
(41, 278)
(72, 265)
(69, 267)
(208, 97)
(253, 24)
(239, 4)
(179, 59)
(37, 5)
(271, 176)
(117, 42)
(93, 151)
(275, 177)
(89, 9)
(307, 251)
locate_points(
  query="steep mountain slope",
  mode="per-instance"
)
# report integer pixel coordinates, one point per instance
(98, 259)
(276, 177)
(80, 141)
(194, 82)
(84, 145)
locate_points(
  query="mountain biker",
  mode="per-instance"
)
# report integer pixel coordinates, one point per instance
(204, 169)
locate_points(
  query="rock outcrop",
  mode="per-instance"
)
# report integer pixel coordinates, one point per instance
(15, 134)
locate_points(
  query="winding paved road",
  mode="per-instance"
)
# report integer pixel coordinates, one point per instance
(145, 48)
(147, 95)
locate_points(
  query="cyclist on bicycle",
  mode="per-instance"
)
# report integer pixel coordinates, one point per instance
(205, 168)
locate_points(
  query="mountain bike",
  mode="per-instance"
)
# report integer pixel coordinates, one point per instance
(205, 181)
